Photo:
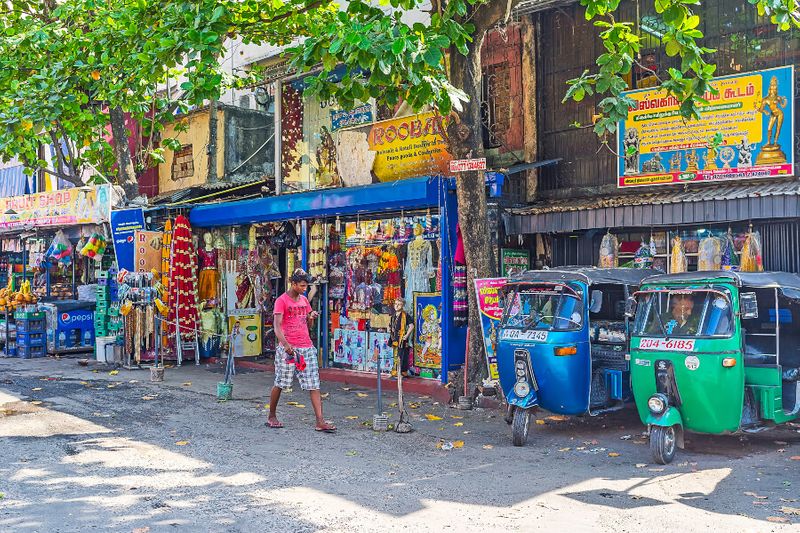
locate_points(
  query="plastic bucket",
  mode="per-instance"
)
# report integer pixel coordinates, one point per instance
(224, 391)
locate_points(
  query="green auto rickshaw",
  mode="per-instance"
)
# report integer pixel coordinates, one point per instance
(714, 352)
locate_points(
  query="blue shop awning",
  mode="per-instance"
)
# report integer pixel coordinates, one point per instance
(415, 193)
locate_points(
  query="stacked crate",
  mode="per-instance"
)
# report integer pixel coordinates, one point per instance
(31, 334)
(106, 312)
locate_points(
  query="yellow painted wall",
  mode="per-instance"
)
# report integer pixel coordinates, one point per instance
(197, 136)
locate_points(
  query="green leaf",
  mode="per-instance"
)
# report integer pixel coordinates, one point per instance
(398, 46)
(673, 48)
(433, 57)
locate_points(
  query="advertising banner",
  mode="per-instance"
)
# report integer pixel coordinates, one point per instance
(490, 306)
(79, 205)
(393, 149)
(245, 331)
(514, 261)
(124, 224)
(753, 112)
(147, 252)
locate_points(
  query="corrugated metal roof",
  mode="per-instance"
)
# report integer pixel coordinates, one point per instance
(699, 194)
(532, 6)
(13, 181)
(698, 205)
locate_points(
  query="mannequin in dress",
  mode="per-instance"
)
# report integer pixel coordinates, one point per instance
(418, 268)
(208, 278)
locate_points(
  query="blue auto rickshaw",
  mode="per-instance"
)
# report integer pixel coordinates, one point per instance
(563, 342)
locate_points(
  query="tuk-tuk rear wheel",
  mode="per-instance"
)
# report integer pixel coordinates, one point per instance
(520, 426)
(662, 444)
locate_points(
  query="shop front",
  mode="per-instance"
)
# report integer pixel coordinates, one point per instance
(365, 246)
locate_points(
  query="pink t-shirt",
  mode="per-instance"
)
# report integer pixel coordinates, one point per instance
(295, 319)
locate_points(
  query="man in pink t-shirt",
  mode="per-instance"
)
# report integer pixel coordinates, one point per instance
(295, 351)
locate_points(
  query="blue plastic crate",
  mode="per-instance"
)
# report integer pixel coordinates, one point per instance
(30, 352)
(31, 339)
(31, 325)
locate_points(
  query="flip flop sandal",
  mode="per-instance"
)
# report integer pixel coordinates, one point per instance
(273, 426)
(327, 428)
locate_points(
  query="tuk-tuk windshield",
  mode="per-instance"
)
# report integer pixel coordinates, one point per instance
(684, 313)
(547, 307)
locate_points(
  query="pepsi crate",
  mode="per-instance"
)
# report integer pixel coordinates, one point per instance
(27, 325)
(30, 352)
(31, 339)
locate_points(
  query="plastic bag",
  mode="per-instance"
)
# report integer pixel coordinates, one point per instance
(60, 249)
(95, 247)
(608, 252)
(729, 260)
(752, 260)
(709, 254)
(644, 257)
(677, 259)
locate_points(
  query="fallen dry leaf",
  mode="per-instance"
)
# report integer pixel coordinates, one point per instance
(145, 529)
(393, 404)
(613, 454)
(795, 458)
(467, 432)
(458, 444)
(111, 386)
(146, 398)
(36, 389)
(539, 421)
(487, 446)
(352, 417)
(788, 500)
(113, 373)
(84, 382)
(778, 519)
(95, 371)
(458, 424)
(345, 388)
(430, 416)
(362, 394)
(564, 449)
(414, 405)
(324, 395)
(754, 495)
(187, 384)
(790, 510)
(291, 403)
(182, 443)
(299, 406)
(641, 465)
(36, 402)
(557, 418)
(351, 453)
(456, 417)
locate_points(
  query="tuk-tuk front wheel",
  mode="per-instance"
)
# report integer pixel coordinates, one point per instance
(520, 426)
(509, 417)
(662, 444)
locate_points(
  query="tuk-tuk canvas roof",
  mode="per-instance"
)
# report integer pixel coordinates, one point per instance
(590, 275)
(757, 280)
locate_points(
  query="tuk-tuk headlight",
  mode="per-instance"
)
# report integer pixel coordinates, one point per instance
(522, 389)
(657, 404)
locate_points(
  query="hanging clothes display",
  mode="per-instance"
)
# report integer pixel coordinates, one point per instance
(709, 254)
(418, 268)
(208, 277)
(678, 260)
(609, 252)
(182, 283)
(317, 253)
(460, 301)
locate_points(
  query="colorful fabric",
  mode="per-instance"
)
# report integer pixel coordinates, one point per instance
(285, 370)
(460, 301)
(295, 319)
(207, 282)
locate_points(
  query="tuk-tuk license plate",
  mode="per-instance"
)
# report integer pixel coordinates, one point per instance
(666, 345)
(527, 335)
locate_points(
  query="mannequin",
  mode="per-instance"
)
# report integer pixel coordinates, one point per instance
(208, 278)
(418, 267)
(212, 326)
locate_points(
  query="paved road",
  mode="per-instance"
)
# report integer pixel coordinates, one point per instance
(83, 450)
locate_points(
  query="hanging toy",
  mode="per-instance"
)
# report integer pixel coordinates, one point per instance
(729, 259)
(643, 258)
(60, 249)
(95, 247)
(709, 255)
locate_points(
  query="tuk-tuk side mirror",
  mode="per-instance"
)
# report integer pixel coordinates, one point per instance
(748, 305)
(630, 307)
(596, 301)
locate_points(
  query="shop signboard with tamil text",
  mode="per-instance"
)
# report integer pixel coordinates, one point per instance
(752, 115)
(79, 205)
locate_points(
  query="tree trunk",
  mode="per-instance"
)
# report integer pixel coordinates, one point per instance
(465, 140)
(212, 141)
(126, 174)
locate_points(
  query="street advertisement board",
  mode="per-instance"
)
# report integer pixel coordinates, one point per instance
(753, 113)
